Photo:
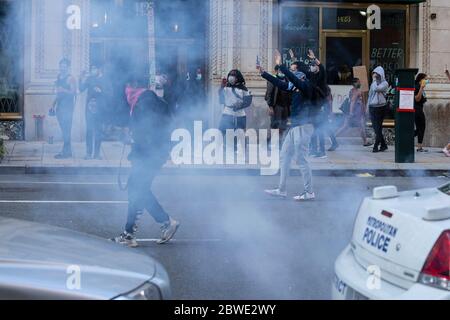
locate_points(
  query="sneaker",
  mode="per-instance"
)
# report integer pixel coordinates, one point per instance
(422, 150)
(382, 149)
(276, 193)
(127, 239)
(375, 150)
(320, 155)
(333, 147)
(367, 144)
(446, 152)
(168, 230)
(63, 156)
(305, 196)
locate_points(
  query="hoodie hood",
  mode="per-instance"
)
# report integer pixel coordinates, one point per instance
(380, 71)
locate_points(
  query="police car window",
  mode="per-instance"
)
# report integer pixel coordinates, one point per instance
(445, 189)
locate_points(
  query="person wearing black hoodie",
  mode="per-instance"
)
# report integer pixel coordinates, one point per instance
(297, 137)
(149, 152)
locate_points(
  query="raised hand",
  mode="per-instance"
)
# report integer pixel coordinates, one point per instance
(278, 58)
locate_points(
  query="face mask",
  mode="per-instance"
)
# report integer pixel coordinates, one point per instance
(232, 80)
(358, 86)
(280, 75)
(199, 76)
(427, 81)
(314, 69)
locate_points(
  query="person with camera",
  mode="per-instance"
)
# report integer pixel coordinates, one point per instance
(63, 107)
(98, 93)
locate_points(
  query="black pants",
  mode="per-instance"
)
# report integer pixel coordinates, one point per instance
(377, 117)
(140, 196)
(94, 134)
(420, 121)
(64, 114)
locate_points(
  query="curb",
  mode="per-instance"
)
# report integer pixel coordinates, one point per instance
(23, 170)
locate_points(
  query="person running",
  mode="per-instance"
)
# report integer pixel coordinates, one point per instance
(357, 112)
(297, 137)
(420, 99)
(66, 90)
(149, 152)
(377, 107)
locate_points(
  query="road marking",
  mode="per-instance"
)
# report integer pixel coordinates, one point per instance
(181, 240)
(59, 183)
(63, 201)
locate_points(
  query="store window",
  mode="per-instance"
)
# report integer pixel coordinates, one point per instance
(387, 46)
(343, 38)
(11, 49)
(299, 31)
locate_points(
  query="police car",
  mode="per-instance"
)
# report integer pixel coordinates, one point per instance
(400, 247)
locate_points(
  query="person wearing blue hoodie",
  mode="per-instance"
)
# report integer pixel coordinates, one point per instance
(377, 106)
(298, 136)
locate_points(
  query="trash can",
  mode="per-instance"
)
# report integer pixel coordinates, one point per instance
(39, 127)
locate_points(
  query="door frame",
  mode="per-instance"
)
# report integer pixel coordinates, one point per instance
(363, 34)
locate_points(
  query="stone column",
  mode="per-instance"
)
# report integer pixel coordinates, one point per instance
(47, 41)
(240, 30)
(432, 55)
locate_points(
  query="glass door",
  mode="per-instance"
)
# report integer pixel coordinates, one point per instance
(343, 51)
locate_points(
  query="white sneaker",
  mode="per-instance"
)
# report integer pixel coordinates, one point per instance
(305, 196)
(276, 193)
(446, 152)
(168, 230)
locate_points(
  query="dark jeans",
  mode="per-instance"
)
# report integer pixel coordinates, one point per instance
(420, 121)
(317, 143)
(64, 114)
(377, 117)
(140, 196)
(94, 134)
(231, 122)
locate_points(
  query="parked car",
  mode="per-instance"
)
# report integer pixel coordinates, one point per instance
(45, 262)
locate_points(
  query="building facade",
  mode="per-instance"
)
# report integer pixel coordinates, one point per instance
(224, 35)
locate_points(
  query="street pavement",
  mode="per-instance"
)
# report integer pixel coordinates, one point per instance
(234, 241)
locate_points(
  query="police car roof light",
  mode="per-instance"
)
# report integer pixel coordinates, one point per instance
(385, 192)
(437, 214)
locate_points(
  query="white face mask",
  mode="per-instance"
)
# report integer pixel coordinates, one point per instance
(199, 76)
(232, 80)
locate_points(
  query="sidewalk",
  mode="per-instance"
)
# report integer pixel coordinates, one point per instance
(35, 157)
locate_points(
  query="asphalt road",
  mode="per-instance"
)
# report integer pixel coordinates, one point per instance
(234, 241)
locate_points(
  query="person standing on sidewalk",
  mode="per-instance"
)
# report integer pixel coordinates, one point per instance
(419, 116)
(446, 149)
(97, 102)
(377, 107)
(66, 90)
(357, 112)
(149, 151)
(297, 138)
(235, 97)
(279, 102)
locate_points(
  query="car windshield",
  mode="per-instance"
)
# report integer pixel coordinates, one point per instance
(445, 189)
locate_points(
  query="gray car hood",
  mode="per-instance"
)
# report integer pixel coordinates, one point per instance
(36, 256)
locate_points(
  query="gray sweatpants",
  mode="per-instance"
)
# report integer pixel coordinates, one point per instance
(296, 142)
